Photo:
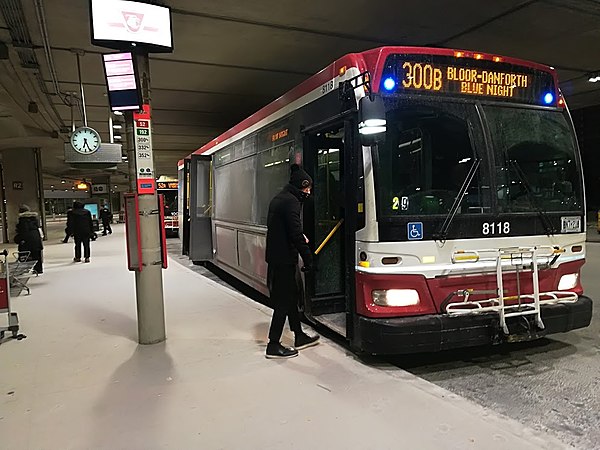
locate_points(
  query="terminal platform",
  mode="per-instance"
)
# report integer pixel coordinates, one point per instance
(80, 380)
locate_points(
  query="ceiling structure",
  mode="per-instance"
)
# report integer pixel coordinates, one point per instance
(233, 57)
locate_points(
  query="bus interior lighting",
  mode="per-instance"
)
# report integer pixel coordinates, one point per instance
(548, 98)
(389, 84)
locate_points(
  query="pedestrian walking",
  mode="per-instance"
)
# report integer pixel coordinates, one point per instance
(29, 236)
(106, 217)
(80, 226)
(67, 235)
(285, 240)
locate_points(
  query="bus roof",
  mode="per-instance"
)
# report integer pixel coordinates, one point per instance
(371, 60)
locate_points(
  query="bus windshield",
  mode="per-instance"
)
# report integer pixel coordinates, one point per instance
(528, 165)
(428, 153)
(536, 160)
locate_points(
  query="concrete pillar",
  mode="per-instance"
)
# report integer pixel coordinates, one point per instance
(149, 282)
(22, 185)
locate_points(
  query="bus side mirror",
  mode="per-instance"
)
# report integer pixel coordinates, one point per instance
(371, 120)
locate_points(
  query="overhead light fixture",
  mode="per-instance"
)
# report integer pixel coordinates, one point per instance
(82, 186)
(594, 78)
(116, 126)
(117, 137)
(63, 181)
(117, 113)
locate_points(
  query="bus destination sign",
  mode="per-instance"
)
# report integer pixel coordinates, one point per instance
(432, 74)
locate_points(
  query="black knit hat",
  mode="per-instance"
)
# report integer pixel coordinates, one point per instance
(299, 177)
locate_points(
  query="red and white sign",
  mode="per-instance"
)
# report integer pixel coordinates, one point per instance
(127, 21)
(143, 151)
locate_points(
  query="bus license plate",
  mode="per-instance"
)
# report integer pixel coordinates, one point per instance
(570, 224)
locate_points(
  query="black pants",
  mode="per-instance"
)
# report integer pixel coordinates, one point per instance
(107, 228)
(86, 246)
(284, 295)
(36, 255)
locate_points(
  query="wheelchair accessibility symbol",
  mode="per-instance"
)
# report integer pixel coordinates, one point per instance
(415, 231)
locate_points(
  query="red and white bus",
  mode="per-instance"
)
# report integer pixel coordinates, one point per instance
(169, 188)
(448, 205)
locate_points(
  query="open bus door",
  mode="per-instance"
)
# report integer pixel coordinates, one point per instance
(183, 176)
(329, 287)
(200, 209)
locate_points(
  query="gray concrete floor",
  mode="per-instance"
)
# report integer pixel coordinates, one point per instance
(80, 381)
(552, 384)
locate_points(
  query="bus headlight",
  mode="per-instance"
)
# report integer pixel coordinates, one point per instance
(396, 297)
(568, 281)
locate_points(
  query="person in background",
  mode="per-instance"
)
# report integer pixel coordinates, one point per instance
(29, 236)
(285, 239)
(67, 235)
(80, 226)
(106, 217)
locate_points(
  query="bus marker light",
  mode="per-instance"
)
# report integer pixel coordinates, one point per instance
(389, 84)
(396, 297)
(459, 54)
(365, 264)
(478, 56)
(497, 59)
(577, 248)
(568, 281)
(548, 98)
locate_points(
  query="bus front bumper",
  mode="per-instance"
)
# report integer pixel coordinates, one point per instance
(433, 333)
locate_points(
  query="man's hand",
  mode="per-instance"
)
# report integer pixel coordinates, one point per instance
(305, 238)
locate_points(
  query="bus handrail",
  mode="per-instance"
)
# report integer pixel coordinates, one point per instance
(329, 236)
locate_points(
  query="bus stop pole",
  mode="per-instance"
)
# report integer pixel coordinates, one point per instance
(148, 281)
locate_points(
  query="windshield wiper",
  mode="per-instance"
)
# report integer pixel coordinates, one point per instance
(546, 222)
(442, 234)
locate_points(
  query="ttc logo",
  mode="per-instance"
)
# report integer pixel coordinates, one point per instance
(415, 231)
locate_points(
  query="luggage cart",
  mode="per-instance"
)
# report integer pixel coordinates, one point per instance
(13, 319)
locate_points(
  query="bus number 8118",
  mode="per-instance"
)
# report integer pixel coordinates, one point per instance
(495, 228)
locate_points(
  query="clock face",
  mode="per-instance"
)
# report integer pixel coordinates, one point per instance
(85, 140)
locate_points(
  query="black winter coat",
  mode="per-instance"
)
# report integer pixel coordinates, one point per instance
(79, 223)
(105, 216)
(285, 236)
(28, 233)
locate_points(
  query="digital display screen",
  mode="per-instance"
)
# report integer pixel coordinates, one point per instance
(118, 23)
(167, 185)
(123, 92)
(93, 209)
(465, 77)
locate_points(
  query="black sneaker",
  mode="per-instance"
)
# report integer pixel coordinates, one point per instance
(303, 340)
(278, 351)
(76, 259)
(87, 260)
